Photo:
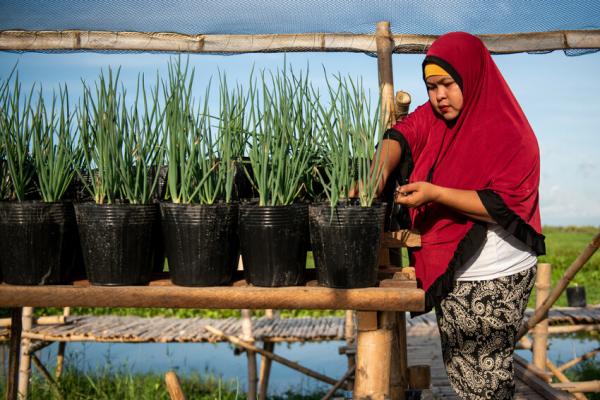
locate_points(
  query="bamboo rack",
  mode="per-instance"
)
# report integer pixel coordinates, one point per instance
(22, 40)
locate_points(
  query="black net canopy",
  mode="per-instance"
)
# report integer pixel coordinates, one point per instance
(241, 26)
(431, 17)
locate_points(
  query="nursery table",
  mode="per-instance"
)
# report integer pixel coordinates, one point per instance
(379, 323)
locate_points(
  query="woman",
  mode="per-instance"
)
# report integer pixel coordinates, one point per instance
(472, 163)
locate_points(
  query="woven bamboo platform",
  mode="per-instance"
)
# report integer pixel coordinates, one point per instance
(163, 330)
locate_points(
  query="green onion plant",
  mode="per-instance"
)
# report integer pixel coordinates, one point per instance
(280, 150)
(142, 152)
(54, 147)
(16, 120)
(102, 121)
(120, 146)
(183, 132)
(350, 128)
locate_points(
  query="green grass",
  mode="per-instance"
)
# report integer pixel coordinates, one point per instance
(563, 245)
(106, 384)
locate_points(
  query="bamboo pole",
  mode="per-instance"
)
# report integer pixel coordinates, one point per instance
(171, 296)
(247, 336)
(561, 377)
(273, 356)
(573, 328)
(579, 359)
(350, 336)
(339, 383)
(271, 43)
(174, 386)
(12, 386)
(385, 47)
(60, 355)
(585, 387)
(45, 320)
(373, 356)
(579, 262)
(265, 362)
(540, 332)
(36, 361)
(25, 362)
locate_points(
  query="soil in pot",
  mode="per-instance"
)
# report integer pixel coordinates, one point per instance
(38, 242)
(201, 242)
(117, 242)
(346, 244)
(273, 244)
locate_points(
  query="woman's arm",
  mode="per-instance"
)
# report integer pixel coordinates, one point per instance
(466, 202)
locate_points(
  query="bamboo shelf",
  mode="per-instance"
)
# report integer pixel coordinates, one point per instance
(399, 294)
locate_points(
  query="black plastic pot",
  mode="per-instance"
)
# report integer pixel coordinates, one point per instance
(576, 296)
(118, 242)
(201, 242)
(38, 242)
(273, 244)
(346, 244)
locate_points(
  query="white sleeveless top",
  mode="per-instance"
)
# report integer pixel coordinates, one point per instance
(502, 254)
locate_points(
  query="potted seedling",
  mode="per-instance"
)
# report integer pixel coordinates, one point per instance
(120, 146)
(36, 236)
(273, 230)
(345, 233)
(200, 222)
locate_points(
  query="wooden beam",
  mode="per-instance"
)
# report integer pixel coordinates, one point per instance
(308, 42)
(561, 377)
(174, 386)
(527, 373)
(45, 320)
(226, 297)
(12, 388)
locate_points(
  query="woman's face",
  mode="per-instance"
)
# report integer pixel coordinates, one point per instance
(445, 96)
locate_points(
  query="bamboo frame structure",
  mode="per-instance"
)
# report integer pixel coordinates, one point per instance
(575, 266)
(69, 40)
(25, 362)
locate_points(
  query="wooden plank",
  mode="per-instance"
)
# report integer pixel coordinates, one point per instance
(535, 382)
(313, 42)
(222, 297)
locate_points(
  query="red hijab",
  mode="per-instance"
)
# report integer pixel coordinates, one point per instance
(490, 147)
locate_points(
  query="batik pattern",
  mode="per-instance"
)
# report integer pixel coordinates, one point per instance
(478, 322)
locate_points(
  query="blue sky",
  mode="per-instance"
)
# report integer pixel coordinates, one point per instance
(560, 96)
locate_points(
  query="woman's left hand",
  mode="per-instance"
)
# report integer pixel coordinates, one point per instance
(416, 194)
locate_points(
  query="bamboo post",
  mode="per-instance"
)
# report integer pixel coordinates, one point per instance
(265, 362)
(60, 356)
(251, 355)
(540, 332)
(561, 377)
(349, 335)
(25, 362)
(579, 262)
(373, 355)
(12, 390)
(173, 386)
(419, 377)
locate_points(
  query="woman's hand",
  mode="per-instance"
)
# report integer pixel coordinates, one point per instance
(466, 202)
(416, 194)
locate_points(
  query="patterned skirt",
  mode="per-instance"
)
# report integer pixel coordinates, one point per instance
(478, 323)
